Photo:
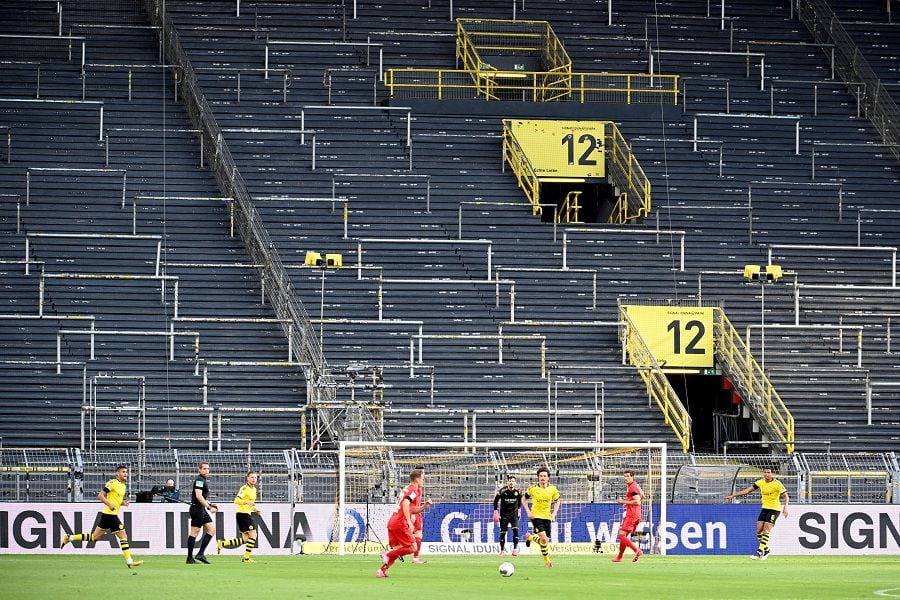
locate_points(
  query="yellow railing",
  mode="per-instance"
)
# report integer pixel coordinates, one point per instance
(620, 209)
(622, 169)
(757, 391)
(522, 168)
(524, 39)
(568, 210)
(627, 175)
(535, 86)
(658, 386)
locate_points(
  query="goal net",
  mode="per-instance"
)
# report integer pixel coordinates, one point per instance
(463, 479)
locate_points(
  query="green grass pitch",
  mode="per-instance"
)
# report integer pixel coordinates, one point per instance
(446, 577)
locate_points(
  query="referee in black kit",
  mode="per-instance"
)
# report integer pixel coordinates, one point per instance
(507, 503)
(199, 511)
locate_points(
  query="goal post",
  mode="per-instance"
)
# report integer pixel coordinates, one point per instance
(462, 480)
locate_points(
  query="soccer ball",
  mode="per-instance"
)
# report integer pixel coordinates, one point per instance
(507, 569)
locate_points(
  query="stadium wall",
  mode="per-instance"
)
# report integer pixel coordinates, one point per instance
(452, 528)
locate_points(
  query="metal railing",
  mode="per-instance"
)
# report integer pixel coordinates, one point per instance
(584, 88)
(880, 109)
(757, 391)
(892, 250)
(622, 168)
(312, 476)
(260, 247)
(524, 39)
(621, 230)
(658, 387)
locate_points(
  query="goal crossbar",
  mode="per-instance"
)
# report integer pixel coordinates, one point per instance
(465, 475)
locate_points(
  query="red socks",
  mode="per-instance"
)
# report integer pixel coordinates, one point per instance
(625, 542)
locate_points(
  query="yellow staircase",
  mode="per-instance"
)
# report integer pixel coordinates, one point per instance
(733, 357)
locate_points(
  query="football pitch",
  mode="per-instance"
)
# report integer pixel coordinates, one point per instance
(445, 577)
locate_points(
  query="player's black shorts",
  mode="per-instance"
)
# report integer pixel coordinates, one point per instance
(245, 522)
(110, 522)
(541, 525)
(509, 521)
(199, 516)
(767, 515)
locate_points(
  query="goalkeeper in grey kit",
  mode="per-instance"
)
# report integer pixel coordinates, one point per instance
(507, 504)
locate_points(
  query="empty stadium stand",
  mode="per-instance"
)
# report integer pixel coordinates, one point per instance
(457, 313)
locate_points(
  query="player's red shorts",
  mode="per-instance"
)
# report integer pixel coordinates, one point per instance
(420, 522)
(630, 524)
(399, 534)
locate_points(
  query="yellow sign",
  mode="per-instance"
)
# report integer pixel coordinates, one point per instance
(562, 149)
(677, 336)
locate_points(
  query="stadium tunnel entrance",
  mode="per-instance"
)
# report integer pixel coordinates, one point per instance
(581, 202)
(717, 415)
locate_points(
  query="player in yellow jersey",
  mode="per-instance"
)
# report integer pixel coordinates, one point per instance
(545, 503)
(246, 519)
(113, 495)
(772, 493)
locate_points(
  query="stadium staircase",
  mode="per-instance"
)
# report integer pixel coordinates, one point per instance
(224, 379)
(738, 188)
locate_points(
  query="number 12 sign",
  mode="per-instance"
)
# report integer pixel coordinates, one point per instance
(677, 336)
(573, 150)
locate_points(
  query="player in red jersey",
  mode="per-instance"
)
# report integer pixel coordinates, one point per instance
(419, 529)
(632, 503)
(402, 524)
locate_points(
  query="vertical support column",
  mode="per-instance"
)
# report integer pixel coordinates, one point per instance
(565, 243)
(859, 341)
(175, 300)
(695, 134)
(93, 339)
(409, 128)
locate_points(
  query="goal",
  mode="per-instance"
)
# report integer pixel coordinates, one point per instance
(463, 478)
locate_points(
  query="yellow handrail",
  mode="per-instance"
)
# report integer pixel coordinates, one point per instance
(628, 176)
(759, 393)
(658, 386)
(568, 210)
(544, 86)
(523, 170)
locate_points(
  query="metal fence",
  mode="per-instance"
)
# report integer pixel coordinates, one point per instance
(260, 248)
(853, 68)
(290, 475)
